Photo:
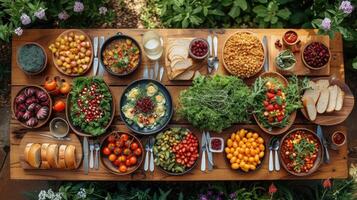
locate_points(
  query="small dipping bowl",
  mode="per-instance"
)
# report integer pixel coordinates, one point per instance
(338, 139)
(216, 141)
(59, 127)
(199, 44)
(290, 38)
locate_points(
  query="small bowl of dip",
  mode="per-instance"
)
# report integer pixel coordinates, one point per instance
(338, 139)
(59, 127)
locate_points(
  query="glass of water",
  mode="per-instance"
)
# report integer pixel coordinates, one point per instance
(153, 45)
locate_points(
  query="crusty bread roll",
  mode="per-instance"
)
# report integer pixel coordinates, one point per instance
(310, 107)
(27, 150)
(52, 155)
(332, 98)
(33, 155)
(322, 103)
(339, 100)
(44, 163)
(70, 157)
(61, 157)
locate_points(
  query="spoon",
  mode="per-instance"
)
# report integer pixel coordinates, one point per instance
(271, 164)
(276, 145)
(210, 60)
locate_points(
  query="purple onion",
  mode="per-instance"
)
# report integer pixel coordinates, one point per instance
(42, 113)
(45, 103)
(32, 107)
(30, 91)
(21, 107)
(32, 122)
(31, 100)
(27, 115)
(20, 98)
(37, 107)
(19, 115)
(41, 95)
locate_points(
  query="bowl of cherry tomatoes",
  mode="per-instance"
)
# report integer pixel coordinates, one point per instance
(121, 153)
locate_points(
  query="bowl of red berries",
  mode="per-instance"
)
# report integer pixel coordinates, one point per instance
(316, 55)
(198, 48)
(121, 153)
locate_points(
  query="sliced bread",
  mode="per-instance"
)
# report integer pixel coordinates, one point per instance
(52, 155)
(332, 98)
(34, 155)
(70, 157)
(322, 84)
(313, 93)
(61, 157)
(187, 75)
(322, 103)
(44, 163)
(340, 99)
(310, 107)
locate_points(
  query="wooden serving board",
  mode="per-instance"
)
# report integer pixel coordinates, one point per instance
(300, 69)
(200, 66)
(335, 117)
(34, 137)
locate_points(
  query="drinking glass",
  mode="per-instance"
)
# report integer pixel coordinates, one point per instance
(153, 45)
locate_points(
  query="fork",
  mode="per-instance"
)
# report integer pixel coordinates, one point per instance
(96, 161)
(101, 67)
(91, 160)
(147, 156)
(151, 164)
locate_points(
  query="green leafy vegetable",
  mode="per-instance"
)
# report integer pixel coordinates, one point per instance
(215, 103)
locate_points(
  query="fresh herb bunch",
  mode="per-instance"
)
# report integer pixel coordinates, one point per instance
(215, 103)
(78, 118)
(292, 93)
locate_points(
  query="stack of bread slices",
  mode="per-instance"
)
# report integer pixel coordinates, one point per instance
(179, 66)
(322, 97)
(50, 156)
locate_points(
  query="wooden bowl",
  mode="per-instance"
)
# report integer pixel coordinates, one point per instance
(44, 64)
(266, 145)
(80, 132)
(307, 65)
(286, 42)
(318, 160)
(109, 165)
(335, 117)
(276, 130)
(40, 122)
(226, 66)
(91, 48)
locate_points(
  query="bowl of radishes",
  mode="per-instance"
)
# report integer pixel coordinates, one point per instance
(32, 106)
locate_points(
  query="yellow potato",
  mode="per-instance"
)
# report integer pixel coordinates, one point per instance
(237, 138)
(260, 140)
(235, 166)
(233, 159)
(229, 143)
(262, 147)
(242, 133)
(235, 144)
(249, 134)
(227, 149)
(261, 154)
(229, 156)
(255, 135)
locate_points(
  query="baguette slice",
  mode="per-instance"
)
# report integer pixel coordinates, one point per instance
(52, 155)
(340, 98)
(34, 155)
(322, 103)
(44, 147)
(313, 93)
(26, 151)
(310, 107)
(45, 165)
(332, 98)
(187, 75)
(61, 156)
(70, 157)
(322, 84)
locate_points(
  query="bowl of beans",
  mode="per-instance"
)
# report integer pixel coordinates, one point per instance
(198, 48)
(316, 55)
(243, 54)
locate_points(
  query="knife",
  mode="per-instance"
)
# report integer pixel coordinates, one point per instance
(203, 149)
(215, 45)
(156, 70)
(85, 152)
(162, 69)
(266, 61)
(209, 153)
(151, 73)
(146, 72)
(95, 61)
(101, 67)
(324, 143)
(209, 40)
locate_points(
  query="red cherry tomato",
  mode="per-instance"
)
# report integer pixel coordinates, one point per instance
(117, 151)
(133, 160)
(117, 162)
(134, 146)
(106, 151)
(111, 138)
(127, 163)
(137, 151)
(124, 137)
(123, 168)
(111, 146)
(127, 151)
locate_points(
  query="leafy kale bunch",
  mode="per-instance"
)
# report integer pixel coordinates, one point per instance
(96, 127)
(215, 103)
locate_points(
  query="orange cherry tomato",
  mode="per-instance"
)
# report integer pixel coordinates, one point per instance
(127, 163)
(106, 151)
(65, 88)
(137, 151)
(133, 160)
(112, 157)
(59, 106)
(50, 84)
(134, 146)
(123, 168)
(122, 158)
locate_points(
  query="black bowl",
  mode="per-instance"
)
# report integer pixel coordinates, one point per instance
(163, 122)
(119, 36)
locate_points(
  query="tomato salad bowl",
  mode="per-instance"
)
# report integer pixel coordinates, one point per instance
(301, 152)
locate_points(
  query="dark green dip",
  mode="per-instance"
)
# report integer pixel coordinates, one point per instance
(31, 58)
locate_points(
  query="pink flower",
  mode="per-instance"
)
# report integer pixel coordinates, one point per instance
(103, 10)
(18, 31)
(327, 183)
(25, 19)
(40, 14)
(326, 24)
(78, 7)
(63, 15)
(272, 189)
(346, 7)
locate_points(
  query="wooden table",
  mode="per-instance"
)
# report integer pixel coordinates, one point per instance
(336, 169)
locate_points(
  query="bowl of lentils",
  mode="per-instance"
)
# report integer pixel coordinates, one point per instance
(316, 55)
(31, 58)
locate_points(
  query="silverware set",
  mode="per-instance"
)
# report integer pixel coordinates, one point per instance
(266, 61)
(212, 60)
(97, 46)
(90, 154)
(274, 163)
(324, 144)
(156, 72)
(149, 155)
(205, 150)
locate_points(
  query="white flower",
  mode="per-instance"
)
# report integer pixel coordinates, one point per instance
(50, 194)
(103, 10)
(41, 14)
(18, 31)
(25, 19)
(42, 195)
(82, 194)
(58, 196)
